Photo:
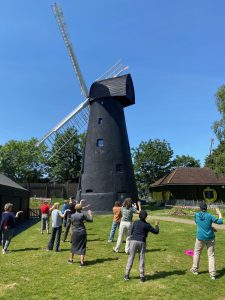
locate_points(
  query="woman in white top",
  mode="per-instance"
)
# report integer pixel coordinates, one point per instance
(127, 211)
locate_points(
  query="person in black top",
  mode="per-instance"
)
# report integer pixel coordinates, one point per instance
(70, 211)
(139, 232)
(7, 225)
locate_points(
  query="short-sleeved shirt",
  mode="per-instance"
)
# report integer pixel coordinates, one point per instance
(117, 213)
(77, 221)
(56, 219)
(127, 214)
(204, 222)
(45, 208)
(8, 220)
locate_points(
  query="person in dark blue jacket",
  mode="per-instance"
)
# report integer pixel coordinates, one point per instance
(7, 226)
(205, 236)
(139, 232)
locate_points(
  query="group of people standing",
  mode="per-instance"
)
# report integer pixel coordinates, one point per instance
(72, 218)
(136, 233)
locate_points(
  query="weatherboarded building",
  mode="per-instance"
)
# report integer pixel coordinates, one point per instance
(12, 192)
(189, 184)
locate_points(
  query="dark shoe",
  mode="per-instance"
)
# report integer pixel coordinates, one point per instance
(142, 279)
(70, 261)
(126, 277)
(81, 264)
(58, 250)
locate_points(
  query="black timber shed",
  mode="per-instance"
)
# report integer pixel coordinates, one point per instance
(11, 192)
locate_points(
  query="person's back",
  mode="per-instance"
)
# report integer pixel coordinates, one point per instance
(205, 236)
(204, 222)
(56, 219)
(45, 208)
(127, 213)
(141, 229)
(77, 220)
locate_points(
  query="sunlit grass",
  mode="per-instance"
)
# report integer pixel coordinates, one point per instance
(31, 272)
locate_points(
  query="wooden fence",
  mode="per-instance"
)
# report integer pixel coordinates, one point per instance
(34, 213)
(51, 190)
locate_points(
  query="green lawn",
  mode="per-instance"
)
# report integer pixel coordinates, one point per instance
(31, 272)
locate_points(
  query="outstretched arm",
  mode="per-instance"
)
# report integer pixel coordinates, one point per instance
(218, 220)
(18, 213)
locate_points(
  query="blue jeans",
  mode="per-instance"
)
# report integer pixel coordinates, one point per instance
(113, 230)
(56, 233)
(7, 235)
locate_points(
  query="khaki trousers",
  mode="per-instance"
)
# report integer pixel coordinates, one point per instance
(125, 228)
(199, 245)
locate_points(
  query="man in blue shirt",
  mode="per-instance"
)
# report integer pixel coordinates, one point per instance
(205, 236)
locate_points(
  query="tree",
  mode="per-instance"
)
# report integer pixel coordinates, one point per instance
(219, 126)
(152, 160)
(216, 160)
(65, 162)
(185, 161)
(22, 161)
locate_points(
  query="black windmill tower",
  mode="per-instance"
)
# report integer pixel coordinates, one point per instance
(107, 173)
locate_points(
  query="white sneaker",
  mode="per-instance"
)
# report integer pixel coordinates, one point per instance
(213, 277)
(115, 250)
(3, 251)
(194, 271)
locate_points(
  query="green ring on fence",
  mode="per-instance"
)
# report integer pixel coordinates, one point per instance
(209, 194)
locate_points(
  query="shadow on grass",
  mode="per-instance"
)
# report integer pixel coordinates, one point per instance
(25, 225)
(155, 250)
(164, 274)
(99, 261)
(220, 273)
(96, 240)
(26, 249)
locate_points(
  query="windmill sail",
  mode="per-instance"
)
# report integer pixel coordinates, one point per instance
(79, 117)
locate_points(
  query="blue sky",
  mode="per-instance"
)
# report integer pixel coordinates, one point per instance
(175, 50)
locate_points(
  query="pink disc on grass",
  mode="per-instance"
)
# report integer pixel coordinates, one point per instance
(189, 252)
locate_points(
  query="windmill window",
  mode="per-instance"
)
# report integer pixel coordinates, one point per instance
(89, 191)
(119, 168)
(100, 143)
(100, 121)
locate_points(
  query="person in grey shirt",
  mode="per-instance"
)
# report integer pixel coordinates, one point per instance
(79, 234)
(57, 217)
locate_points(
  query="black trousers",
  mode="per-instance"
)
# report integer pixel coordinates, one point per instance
(68, 225)
(56, 234)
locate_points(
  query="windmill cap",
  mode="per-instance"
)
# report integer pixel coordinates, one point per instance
(120, 88)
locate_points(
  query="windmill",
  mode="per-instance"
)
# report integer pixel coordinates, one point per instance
(107, 173)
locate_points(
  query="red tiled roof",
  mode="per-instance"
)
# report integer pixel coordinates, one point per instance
(190, 176)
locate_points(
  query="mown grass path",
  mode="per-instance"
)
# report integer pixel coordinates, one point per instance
(180, 220)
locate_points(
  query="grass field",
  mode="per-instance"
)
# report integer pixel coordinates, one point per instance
(31, 272)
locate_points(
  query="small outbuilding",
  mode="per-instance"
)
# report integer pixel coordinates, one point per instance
(12, 192)
(189, 184)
